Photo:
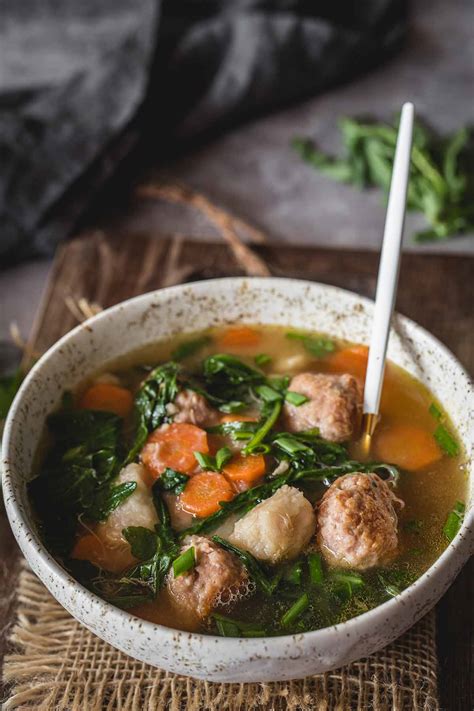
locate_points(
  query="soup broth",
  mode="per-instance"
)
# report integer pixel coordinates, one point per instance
(302, 590)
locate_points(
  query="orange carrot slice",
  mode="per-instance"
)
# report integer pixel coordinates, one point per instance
(108, 397)
(351, 360)
(239, 337)
(409, 446)
(204, 492)
(174, 446)
(247, 469)
(237, 418)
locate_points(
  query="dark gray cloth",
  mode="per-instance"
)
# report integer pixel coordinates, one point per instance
(84, 84)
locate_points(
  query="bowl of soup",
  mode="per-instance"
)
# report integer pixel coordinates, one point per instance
(184, 473)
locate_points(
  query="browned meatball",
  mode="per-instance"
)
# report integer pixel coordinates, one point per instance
(333, 405)
(217, 579)
(357, 522)
(192, 407)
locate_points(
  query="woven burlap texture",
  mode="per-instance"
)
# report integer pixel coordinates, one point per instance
(55, 663)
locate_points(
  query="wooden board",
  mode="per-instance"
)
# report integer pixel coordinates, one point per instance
(436, 291)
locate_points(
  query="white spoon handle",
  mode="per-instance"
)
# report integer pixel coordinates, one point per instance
(389, 263)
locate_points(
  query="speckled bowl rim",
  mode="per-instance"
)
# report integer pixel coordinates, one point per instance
(33, 547)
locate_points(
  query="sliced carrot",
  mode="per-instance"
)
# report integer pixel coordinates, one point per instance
(204, 492)
(174, 446)
(90, 547)
(409, 446)
(108, 397)
(237, 418)
(239, 337)
(351, 360)
(247, 469)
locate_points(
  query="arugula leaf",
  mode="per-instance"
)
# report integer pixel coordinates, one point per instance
(318, 346)
(441, 177)
(77, 477)
(9, 386)
(150, 408)
(189, 348)
(172, 481)
(143, 541)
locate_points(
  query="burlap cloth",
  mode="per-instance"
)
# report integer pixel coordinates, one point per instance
(55, 663)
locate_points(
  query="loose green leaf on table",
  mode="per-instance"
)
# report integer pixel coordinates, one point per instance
(441, 178)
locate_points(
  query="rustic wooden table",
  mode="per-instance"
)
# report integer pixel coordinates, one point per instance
(436, 291)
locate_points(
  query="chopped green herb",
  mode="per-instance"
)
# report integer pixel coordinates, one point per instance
(214, 464)
(267, 394)
(296, 399)
(446, 441)
(315, 567)
(346, 583)
(189, 348)
(186, 561)
(441, 175)
(295, 611)
(435, 411)
(454, 521)
(227, 627)
(318, 346)
(262, 359)
(265, 428)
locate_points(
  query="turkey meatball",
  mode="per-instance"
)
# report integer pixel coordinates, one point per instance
(357, 522)
(332, 407)
(278, 528)
(217, 579)
(192, 407)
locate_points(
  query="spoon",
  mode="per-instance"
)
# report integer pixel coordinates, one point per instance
(387, 280)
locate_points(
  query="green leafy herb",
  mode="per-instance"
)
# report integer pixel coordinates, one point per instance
(315, 567)
(295, 611)
(346, 583)
(172, 481)
(318, 346)
(150, 410)
(214, 464)
(446, 441)
(189, 348)
(227, 627)
(9, 386)
(454, 521)
(143, 542)
(262, 359)
(264, 429)
(294, 574)
(267, 584)
(441, 177)
(77, 478)
(296, 399)
(267, 394)
(143, 581)
(186, 561)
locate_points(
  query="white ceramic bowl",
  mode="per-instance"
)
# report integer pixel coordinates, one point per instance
(184, 309)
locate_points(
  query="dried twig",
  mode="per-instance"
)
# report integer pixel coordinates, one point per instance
(226, 224)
